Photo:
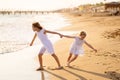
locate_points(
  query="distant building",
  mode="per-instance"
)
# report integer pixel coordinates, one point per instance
(112, 6)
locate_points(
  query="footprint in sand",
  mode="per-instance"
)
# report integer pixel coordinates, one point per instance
(113, 55)
(108, 67)
(104, 64)
(104, 53)
(113, 75)
(117, 70)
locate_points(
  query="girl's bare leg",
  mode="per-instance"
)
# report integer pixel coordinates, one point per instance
(40, 62)
(70, 55)
(57, 60)
(74, 58)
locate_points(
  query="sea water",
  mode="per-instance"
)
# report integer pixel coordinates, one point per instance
(16, 30)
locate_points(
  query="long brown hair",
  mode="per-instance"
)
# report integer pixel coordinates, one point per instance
(37, 25)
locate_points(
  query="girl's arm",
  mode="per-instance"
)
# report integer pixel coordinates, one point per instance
(68, 36)
(33, 39)
(52, 32)
(90, 46)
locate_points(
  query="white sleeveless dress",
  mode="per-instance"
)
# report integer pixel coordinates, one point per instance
(47, 45)
(76, 47)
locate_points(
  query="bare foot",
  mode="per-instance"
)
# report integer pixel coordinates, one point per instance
(39, 69)
(58, 68)
(68, 65)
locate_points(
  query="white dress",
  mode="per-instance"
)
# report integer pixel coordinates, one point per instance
(47, 45)
(76, 47)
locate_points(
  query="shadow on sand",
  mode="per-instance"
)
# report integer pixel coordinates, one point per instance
(43, 77)
(109, 74)
(90, 72)
(80, 77)
(60, 77)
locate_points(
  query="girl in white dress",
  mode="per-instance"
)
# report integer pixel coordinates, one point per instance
(76, 47)
(47, 45)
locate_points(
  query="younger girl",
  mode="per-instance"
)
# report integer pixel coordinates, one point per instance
(76, 48)
(47, 45)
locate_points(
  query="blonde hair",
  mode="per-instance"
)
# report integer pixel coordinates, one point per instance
(83, 33)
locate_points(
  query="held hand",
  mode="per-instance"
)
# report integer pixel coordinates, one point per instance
(60, 35)
(95, 50)
(31, 44)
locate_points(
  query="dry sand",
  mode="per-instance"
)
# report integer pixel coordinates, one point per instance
(104, 65)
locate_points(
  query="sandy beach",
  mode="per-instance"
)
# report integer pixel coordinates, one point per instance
(103, 65)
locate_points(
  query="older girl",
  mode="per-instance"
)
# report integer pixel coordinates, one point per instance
(47, 45)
